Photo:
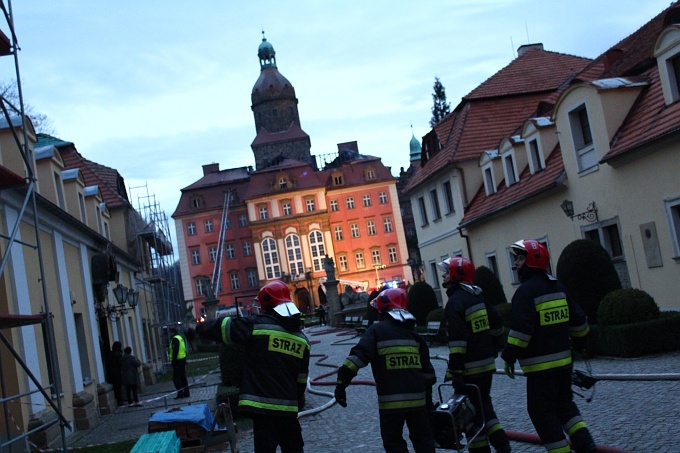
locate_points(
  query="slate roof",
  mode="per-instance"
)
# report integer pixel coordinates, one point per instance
(293, 132)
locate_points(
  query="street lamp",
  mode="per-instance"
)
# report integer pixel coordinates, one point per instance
(123, 296)
(377, 275)
(590, 214)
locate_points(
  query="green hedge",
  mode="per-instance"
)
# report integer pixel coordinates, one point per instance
(636, 340)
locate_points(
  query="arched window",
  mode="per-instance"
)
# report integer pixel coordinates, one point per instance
(271, 259)
(294, 252)
(317, 248)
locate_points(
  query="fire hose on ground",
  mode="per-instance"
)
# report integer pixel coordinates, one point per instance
(512, 435)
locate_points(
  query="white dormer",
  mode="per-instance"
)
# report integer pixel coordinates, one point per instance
(539, 140)
(512, 162)
(489, 170)
(667, 53)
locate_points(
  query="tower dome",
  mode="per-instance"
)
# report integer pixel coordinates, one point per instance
(266, 53)
(416, 149)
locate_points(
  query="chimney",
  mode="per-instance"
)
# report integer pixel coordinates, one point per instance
(210, 168)
(612, 56)
(527, 47)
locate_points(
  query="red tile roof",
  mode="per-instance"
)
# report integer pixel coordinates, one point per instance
(483, 206)
(498, 107)
(534, 71)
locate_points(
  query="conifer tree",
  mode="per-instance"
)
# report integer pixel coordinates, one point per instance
(440, 108)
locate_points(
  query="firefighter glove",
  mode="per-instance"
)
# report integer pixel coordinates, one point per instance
(341, 395)
(510, 370)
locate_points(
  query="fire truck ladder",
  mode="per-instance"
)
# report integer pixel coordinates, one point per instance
(217, 270)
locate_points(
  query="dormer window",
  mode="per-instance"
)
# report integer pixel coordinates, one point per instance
(586, 157)
(509, 169)
(489, 184)
(370, 174)
(196, 202)
(667, 53)
(283, 183)
(535, 157)
(338, 179)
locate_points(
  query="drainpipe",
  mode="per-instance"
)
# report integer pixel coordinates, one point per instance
(467, 242)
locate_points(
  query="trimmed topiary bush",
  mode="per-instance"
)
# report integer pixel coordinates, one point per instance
(627, 306)
(488, 281)
(587, 271)
(421, 300)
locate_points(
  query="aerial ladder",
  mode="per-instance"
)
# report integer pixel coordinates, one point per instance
(214, 289)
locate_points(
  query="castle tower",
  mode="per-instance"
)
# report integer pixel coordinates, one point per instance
(277, 122)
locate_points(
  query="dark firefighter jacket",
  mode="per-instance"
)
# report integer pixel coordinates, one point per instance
(472, 324)
(400, 361)
(542, 320)
(276, 361)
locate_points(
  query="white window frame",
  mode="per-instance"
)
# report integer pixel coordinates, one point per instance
(208, 225)
(251, 276)
(242, 220)
(287, 208)
(366, 200)
(489, 180)
(212, 253)
(270, 257)
(350, 203)
(370, 228)
(334, 205)
(354, 230)
(296, 265)
(392, 254)
(195, 257)
(263, 212)
(317, 248)
(311, 205)
(387, 225)
(434, 204)
(229, 251)
(672, 207)
(234, 281)
(382, 197)
(359, 259)
(448, 197)
(191, 228)
(585, 152)
(376, 259)
(535, 155)
(247, 248)
(342, 262)
(510, 169)
(337, 233)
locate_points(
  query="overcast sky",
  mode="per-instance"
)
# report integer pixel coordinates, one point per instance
(158, 89)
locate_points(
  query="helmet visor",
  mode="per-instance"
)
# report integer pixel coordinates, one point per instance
(287, 309)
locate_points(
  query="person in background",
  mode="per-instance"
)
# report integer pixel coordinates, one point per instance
(542, 320)
(321, 312)
(177, 352)
(472, 325)
(403, 373)
(116, 371)
(131, 376)
(275, 370)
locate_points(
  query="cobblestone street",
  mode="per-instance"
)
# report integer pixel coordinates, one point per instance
(632, 415)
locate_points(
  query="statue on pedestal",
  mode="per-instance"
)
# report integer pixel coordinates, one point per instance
(329, 267)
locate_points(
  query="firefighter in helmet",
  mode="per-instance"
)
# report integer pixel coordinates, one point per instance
(542, 320)
(473, 327)
(403, 373)
(275, 369)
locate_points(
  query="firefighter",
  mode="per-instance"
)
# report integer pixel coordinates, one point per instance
(403, 373)
(542, 319)
(473, 328)
(276, 366)
(177, 351)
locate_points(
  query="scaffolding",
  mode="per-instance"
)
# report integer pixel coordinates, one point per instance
(161, 271)
(25, 186)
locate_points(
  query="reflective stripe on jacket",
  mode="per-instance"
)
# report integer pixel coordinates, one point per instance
(400, 361)
(276, 364)
(542, 320)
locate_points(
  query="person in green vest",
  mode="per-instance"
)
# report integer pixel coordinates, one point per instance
(177, 352)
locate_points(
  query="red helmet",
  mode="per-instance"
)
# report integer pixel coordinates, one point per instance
(461, 270)
(275, 295)
(391, 299)
(537, 255)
